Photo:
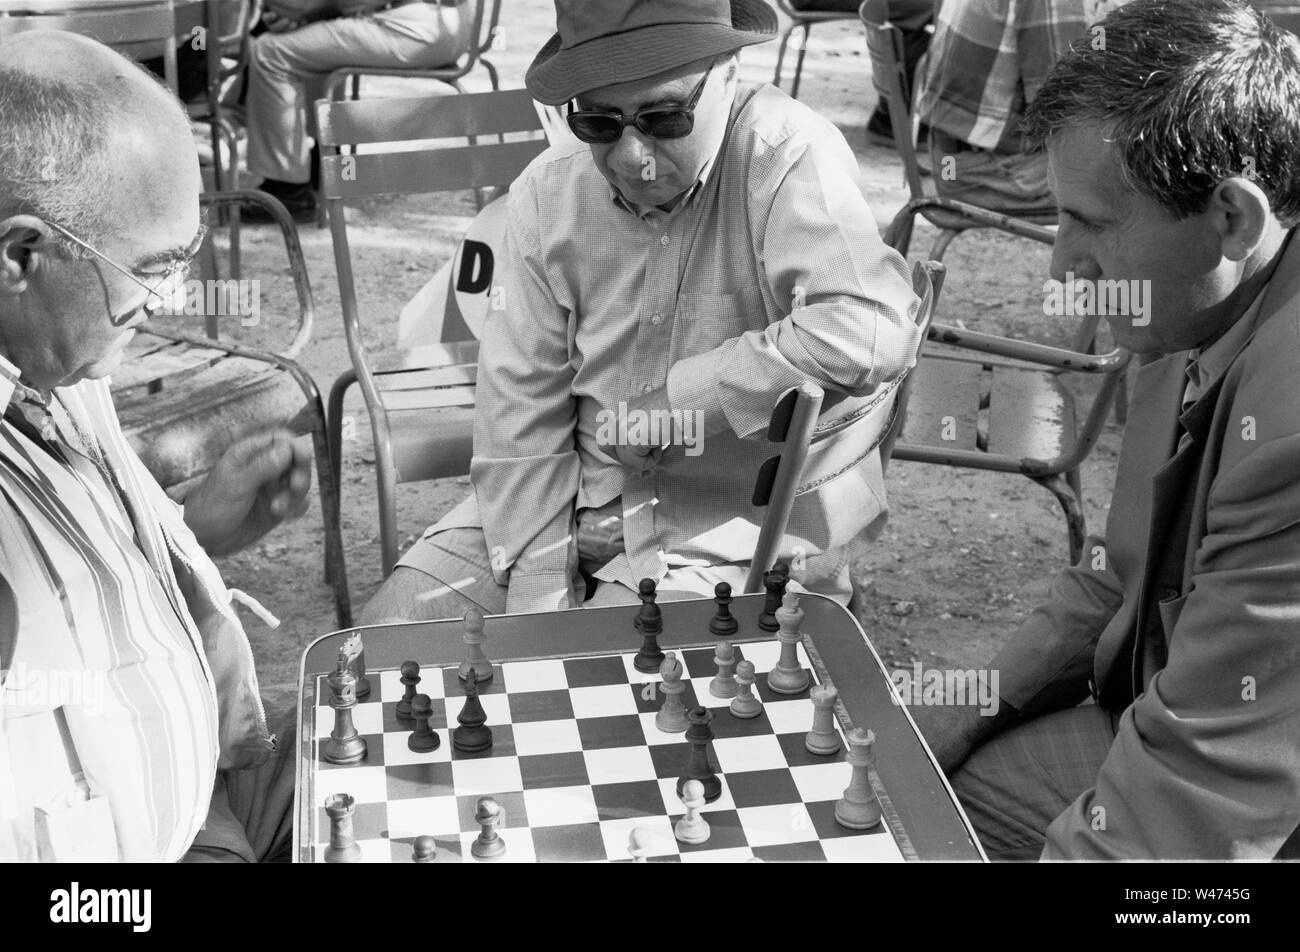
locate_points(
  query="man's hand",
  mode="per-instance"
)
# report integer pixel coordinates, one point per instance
(645, 434)
(259, 482)
(953, 731)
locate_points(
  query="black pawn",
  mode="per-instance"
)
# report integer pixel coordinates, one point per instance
(774, 581)
(699, 734)
(650, 622)
(424, 738)
(724, 624)
(410, 678)
(473, 734)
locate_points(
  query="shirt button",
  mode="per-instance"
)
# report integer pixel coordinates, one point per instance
(646, 388)
(657, 319)
(664, 241)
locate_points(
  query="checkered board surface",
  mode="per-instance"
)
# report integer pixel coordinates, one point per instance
(577, 763)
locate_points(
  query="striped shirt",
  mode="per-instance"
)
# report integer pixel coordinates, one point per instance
(108, 691)
(769, 274)
(988, 60)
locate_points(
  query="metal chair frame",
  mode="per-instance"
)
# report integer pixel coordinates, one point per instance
(430, 387)
(801, 20)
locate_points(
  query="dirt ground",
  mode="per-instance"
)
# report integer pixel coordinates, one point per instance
(966, 554)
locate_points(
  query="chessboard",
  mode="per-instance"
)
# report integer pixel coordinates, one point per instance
(577, 762)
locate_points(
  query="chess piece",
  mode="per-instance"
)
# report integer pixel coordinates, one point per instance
(344, 745)
(723, 624)
(424, 849)
(788, 677)
(823, 739)
(774, 582)
(472, 735)
(724, 684)
(858, 809)
(343, 846)
(671, 717)
(475, 660)
(638, 844)
(744, 704)
(699, 734)
(650, 622)
(692, 828)
(410, 678)
(423, 739)
(488, 845)
(357, 663)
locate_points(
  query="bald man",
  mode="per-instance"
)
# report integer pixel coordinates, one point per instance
(131, 726)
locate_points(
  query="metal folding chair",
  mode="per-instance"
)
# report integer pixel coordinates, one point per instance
(183, 397)
(885, 45)
(801, 20)
(138, 30)
(1008, 409)
(420, 404)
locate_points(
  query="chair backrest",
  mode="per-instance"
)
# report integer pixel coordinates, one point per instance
(141, 30)
(885, 47)
(422, 127)
(927, 282)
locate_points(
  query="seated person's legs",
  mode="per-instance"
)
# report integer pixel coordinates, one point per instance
(1002, 181)
(1013, 786)
(442, 576)
(287, 72)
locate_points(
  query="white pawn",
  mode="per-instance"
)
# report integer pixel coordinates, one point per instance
(476, 662)
(692, 828)
(724, 685)
(638, 844)
(744, 704)
(671, 718)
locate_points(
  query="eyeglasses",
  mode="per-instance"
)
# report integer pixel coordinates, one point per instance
(604, 126)
(168, 288)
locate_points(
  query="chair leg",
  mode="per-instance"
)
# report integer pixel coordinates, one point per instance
(336, 572)
(798, 66)
(334, 439)
(1066, 495)
(941, 244)
(493, 78)
(780, 55)
(1121, 398)
(386, 477)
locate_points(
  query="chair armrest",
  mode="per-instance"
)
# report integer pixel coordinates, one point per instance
(973, 213)
(293, 248)
(1043, 354)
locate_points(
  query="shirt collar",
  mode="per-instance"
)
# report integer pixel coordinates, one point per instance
(13, 390)
(1206, 364)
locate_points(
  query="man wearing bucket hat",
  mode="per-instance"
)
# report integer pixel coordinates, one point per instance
(699, 249)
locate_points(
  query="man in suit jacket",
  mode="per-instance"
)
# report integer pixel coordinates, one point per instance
(1172, 158)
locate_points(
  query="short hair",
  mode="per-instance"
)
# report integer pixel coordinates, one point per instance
(1191, 92)
(57, 137)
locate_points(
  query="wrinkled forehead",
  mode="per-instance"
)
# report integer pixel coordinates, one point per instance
(1083, 163)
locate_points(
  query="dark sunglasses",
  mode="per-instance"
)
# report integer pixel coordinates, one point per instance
(603, 126)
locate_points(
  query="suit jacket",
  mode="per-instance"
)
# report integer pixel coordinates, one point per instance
(1187, 616)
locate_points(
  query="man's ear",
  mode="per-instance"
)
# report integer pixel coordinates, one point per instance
(1241, 215)
(20, 238)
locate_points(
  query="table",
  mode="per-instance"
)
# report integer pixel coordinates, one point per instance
(919, 808)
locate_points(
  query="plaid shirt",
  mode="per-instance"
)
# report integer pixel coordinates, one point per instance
(771, 273)
(988, 59)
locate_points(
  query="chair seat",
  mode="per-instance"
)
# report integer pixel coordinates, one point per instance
(181, 427)
(989, 406)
